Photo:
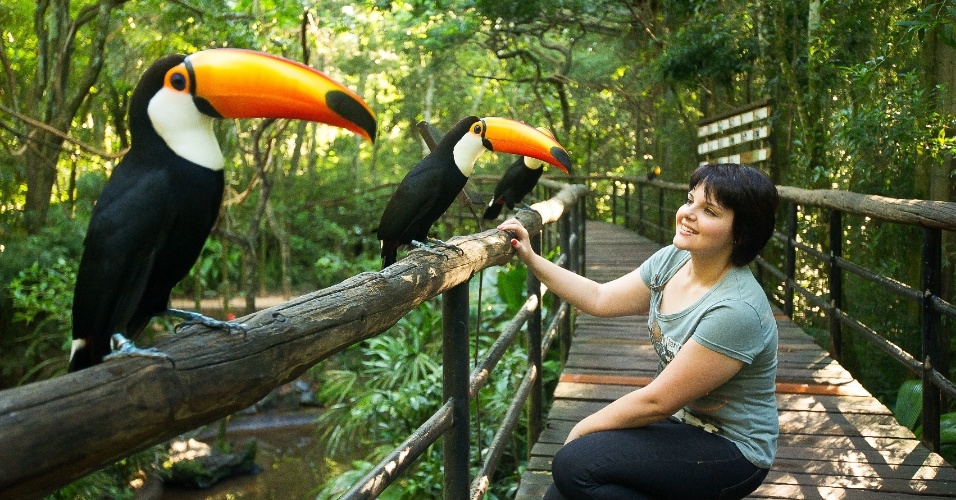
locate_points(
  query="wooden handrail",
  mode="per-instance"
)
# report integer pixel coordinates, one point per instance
(57, 430)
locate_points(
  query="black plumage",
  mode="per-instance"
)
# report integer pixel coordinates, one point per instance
(424, 195)
(517, 182)
(154, 213)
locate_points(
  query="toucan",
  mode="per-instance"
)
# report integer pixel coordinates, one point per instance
(654, 172)
(433, 184)
(518, 180)
(154, 214)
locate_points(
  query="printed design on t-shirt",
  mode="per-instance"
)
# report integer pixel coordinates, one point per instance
(666, 348)
(687, 418)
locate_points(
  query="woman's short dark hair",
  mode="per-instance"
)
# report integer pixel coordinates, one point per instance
(751, 195)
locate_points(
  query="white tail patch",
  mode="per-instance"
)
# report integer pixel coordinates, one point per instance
(77, 345)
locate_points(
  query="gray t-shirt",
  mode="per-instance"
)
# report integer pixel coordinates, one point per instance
(733, 318)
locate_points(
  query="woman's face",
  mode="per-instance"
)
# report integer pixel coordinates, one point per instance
(704, 227)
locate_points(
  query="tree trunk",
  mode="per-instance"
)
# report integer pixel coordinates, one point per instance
(62, 82)
(40, 161)
(940, 70)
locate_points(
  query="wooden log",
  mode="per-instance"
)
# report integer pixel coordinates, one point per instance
(926, 213)
(55, 431)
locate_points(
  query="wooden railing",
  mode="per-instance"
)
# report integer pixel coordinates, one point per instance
(58, 430)
(806, 276)
(451, 421)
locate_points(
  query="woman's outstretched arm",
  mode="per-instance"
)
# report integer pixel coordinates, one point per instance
(624, 296)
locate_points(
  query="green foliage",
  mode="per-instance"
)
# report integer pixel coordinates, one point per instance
(113, 481)
(338, 485)
(513, 287)
(388, 386)
(521, 12)
(715, 48)
(37, 275)
(42, 299)
(909, 406)
(889, 127)
(909, 403)
(383, 389)
(926, 16)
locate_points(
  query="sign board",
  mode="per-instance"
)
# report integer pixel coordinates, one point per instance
(742, 136)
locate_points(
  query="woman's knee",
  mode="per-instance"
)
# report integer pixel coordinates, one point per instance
(571, 466)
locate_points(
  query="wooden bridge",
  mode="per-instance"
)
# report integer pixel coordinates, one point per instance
(836, 440)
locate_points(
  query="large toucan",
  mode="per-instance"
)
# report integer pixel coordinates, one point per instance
(432, 185)
(518, 180)
(153, 216)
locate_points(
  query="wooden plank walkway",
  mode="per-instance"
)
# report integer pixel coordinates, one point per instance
(836, 441)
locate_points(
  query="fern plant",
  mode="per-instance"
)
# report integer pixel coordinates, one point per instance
(909, 403)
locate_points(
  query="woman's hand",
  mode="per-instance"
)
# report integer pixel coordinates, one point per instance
(520, 240)
(581, 428)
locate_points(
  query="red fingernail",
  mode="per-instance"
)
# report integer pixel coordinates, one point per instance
(514, 242)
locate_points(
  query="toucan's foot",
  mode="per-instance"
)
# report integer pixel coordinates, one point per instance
(193, 318)
(122, 346)
(438, 243)
(524, 206)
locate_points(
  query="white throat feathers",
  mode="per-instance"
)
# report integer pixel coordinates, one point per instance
(466, 151)
(186, 130)
(533, 163)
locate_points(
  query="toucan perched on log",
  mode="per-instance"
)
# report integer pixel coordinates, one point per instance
(153, 216)
(432, 185)
(516, 183)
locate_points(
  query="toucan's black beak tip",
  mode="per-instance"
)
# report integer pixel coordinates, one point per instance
(562, 157)
(352, 110)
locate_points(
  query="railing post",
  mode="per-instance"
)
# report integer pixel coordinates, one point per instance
(836, 285)
(791, 259)
(569, 246)
(613, 202)
(931, 327)
(455, 371)
(534, 353)
(627, 204)
(660, 215)
(641, 225)
(581, 232)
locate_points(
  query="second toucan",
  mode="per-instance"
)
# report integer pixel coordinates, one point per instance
(432, 185)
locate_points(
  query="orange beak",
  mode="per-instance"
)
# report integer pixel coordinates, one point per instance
(236, 83)
(504, 135)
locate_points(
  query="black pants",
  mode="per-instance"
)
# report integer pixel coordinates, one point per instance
(662, 460)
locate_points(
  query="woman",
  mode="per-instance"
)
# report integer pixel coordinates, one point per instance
(706, 426)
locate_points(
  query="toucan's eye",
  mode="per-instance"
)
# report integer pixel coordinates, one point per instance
(476, 129)
(178, 81)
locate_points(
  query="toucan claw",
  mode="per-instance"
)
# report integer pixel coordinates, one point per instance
(122, 347)
(194, 318)
(449, 246)
(430, 242)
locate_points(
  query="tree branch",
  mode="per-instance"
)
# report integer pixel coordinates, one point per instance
(40, 125)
